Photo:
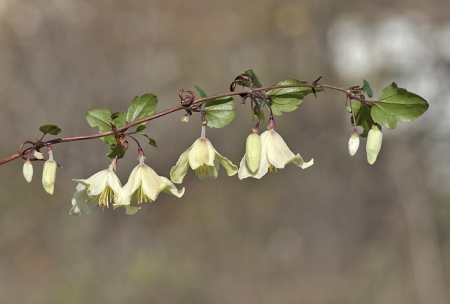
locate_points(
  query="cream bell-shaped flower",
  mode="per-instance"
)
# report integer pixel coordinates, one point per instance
(204, 159)
(275, 154)
(49, 173)
(373, 145)
(144, 185)
(28, 170)
(353, 143)
(101, 189)
(253, 152)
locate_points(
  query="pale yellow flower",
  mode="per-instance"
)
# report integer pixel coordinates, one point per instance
(101, 189)
(28, 170)
(49, 173)
(373, 145)
(144, 185)
(253, 152)
(204, 159)
(275, 154)
(353, 143)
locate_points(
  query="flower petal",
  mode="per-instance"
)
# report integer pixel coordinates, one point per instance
(227, 165)
(49, 175)
(244, 172)
(170, 188)
(278, 153)
(134, 182)
(178, 171)
(28, 170)
(130, 210)
(208, 172)
(143, 185)
(202, 153)
(80, 203)
(152, 183)
(308, 164)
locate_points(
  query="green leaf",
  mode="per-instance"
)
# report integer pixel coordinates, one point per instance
(50, 129)
(115, 149)
(142, 107)
(287, 99)
(115, 115)
(397, 105)
(362, 116)
(151, 141)
(119, 119)
(254, 77)
(261, 114)
(219, 112)
(201, 92)
(140, 129)
(110, 139)
(366, 88)
(100, 118)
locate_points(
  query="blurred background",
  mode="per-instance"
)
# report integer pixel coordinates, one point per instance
(342, 231)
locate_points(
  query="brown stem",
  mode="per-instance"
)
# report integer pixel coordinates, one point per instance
(171, 110)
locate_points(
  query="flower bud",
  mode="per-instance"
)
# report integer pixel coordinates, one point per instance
(253, 152)
(353, 143)
(49, 174)
(28, 170)
(38, 154)
(373, 145)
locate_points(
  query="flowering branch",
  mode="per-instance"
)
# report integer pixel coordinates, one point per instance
(263, 154)
(350, 92)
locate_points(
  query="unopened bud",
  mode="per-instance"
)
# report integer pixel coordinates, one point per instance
(38, 154)
(353, 143)
(373, 145)
(49, 174)
(185, 118)
(253, 152)
(28, 170)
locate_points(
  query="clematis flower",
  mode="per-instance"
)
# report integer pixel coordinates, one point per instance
(144, 185)
(28, 170)
(49, 173)
(373, 145)
(275, 154)
(253, 152)
(353, 143)
(204, 159)
(101, 189)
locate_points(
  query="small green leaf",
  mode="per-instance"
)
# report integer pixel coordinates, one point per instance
(50, 129)
(115, 150)
(219, 112)
(201, 92)
(110, 139)
(142, 107)
(151, 141)
(140, 129)
(261, 114)
(363, 117)
(287, 99)
(366, 88)
(115, 115)
(119, 119)
(100, 118)
(252, 75)
(397, 105)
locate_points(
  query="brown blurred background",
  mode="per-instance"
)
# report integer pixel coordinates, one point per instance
(341, 231)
